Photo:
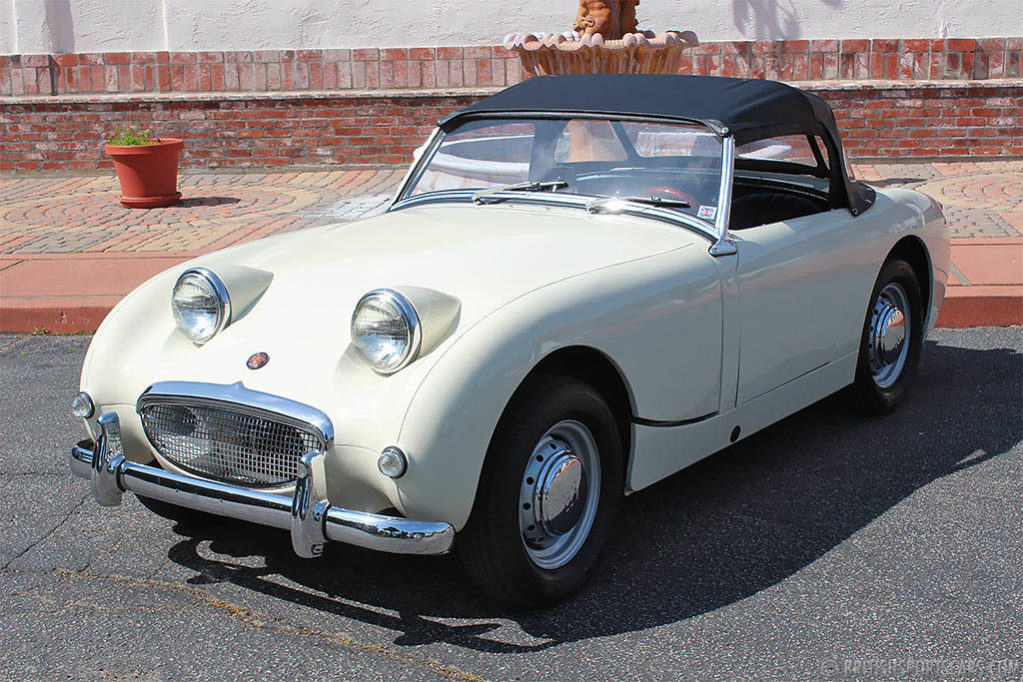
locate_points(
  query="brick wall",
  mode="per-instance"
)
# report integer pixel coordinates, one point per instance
(221, 132)
(877, 120)
(939, 120)
(893, 98)
(456, 67)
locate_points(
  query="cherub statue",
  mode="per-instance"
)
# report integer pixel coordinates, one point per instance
(610, 18)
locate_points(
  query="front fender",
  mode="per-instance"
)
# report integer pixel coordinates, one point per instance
(657, 318)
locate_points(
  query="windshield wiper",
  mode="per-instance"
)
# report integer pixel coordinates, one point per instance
(478, 197)
(660, 201)
(614, 204)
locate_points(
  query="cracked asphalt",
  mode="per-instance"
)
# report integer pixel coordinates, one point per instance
(827, 546)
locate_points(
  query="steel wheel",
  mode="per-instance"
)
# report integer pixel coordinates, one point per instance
(549, 492)
(559, 494)
(893, 332)
(888, 335)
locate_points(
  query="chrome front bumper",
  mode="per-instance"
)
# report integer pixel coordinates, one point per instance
(311, 518)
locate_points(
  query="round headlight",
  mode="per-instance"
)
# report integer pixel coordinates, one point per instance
(201, 304)
(385, 330)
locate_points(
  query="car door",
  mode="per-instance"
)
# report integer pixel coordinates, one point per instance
(790, 278)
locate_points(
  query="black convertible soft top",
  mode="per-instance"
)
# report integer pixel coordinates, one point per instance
(748, 109)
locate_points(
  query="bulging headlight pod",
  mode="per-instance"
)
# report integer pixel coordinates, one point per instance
(386, 330)
(201, 304)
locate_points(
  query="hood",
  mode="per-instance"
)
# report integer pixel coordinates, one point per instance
(483, 256)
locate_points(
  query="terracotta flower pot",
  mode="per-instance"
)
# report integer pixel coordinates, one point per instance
(148, 173)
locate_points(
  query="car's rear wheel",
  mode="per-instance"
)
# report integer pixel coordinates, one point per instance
(550, 489)
(890, 343)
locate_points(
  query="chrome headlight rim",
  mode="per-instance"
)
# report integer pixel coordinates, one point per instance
(223, 302)
(410, 316)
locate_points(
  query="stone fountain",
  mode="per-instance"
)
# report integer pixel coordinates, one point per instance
(604, 39)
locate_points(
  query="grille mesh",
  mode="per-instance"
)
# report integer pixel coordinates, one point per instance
(228, 445)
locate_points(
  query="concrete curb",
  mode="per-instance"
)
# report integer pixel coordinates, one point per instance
(57, 316)
(982, 306)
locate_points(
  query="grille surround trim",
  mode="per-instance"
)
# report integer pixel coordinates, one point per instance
(238, 401)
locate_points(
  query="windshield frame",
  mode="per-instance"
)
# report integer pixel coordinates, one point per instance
(715, 230)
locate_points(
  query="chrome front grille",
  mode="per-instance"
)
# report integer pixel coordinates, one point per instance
(230, 442)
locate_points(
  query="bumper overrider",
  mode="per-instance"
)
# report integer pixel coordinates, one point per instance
(311, 519)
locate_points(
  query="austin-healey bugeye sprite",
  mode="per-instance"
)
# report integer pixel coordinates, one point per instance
(583, 285)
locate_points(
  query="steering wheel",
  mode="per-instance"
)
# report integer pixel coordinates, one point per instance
(671, 193)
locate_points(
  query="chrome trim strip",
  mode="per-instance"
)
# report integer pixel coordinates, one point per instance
(244, 400)
(639, 421)
(306, 515)
(676, 218)
(723, 245)
(414, 166)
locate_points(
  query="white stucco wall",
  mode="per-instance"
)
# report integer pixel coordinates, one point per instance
(6, 27)
(40, 26)
(112, 25)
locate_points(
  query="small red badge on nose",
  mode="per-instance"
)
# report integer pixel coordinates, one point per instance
(257, 360)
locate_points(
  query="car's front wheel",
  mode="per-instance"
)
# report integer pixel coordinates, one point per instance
(550, 489)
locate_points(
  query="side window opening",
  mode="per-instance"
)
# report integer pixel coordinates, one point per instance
(763, 201)
(823, 149)
(795, 149)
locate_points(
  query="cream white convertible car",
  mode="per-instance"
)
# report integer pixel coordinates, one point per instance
(584, 284)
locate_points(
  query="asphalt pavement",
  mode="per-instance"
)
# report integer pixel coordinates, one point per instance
(828, 546)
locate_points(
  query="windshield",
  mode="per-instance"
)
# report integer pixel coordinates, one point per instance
(677, 163)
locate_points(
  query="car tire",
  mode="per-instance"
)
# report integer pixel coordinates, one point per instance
(885, 365)
(521, 546)
(183, 515)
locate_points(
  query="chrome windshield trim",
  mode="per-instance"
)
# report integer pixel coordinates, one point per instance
(579, 201)
(723, 245)
(241, 399)
(427, 148)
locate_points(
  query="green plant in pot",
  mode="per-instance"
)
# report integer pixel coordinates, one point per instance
(147, 168)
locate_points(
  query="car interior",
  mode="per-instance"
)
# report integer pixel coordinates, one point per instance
(755, 203)
(776, 179)
(598, 162)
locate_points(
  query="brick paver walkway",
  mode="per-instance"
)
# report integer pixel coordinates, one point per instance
(81, 214)
(981, 198)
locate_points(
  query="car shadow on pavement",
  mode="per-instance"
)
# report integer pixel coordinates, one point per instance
(724, 529)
